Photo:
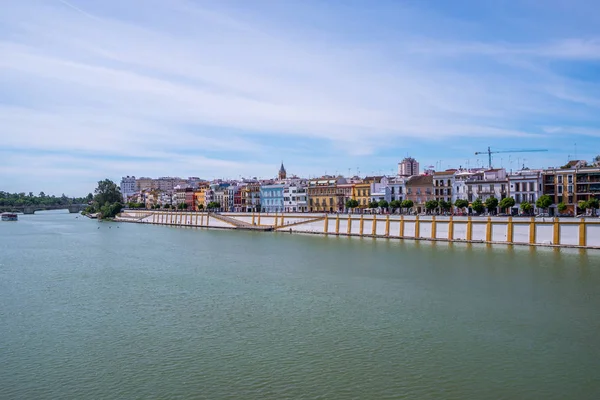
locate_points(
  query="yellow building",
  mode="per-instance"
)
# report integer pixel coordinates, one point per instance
(200, 197)
(362, 193)
(324, 195)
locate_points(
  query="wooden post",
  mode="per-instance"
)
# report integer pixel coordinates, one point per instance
(488, 230)
(451, 228)
(349, 230)
(387, 226)
(556, 235)
(417, 228)
(153, 218)
(374, 227)
(470, 229)
(282, 220)
(258, 223)
(252, 217)
(401, 233)
(326, 225)
(582, 232)
(532, 231)
(337, 224)
(433, 227)
(207, 219)
(275, 219)
(362, 224)
(510, 231)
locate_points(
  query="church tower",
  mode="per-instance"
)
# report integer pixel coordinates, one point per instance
(282, 174)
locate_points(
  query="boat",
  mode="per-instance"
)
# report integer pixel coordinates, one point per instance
(9, 217)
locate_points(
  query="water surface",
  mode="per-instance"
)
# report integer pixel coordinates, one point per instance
(92, 310)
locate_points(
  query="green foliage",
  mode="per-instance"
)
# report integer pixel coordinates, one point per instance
(107, 192)
(507, 202)
(383, 204)
(478, 206)
(491, 203)
(373, 204)
(445, 205)
(395, 204)
(593, 203)
(431, 205)
(200, 206)
(460, 203)
(407, 204)
(526, 207)
(544, 201)
(561, 207)
(42, 199)
(351, 203)
(182, 206)
(110, 210)
(213, 204)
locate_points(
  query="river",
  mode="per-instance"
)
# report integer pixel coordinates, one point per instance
(98, 310)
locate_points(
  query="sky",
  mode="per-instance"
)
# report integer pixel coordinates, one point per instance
(95, 89)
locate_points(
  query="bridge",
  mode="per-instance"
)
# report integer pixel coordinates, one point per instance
(73, 208)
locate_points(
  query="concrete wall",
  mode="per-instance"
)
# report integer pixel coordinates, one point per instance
(547, 231)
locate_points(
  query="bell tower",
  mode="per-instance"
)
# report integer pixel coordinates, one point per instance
(282, 174)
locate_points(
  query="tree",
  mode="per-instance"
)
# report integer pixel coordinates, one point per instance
(431, 205)
(491, 203)
(544, 202)
(507, 202)
(373, 204)
(107, 192)
(383, 204)
(200, 206)
(562, 207)
(407, 204)
(445, 205)
(593, 204)
(461, 204)
(351, 204)
(395, 204)
(478, 206)
(526, 207)
(213, 204)
(110, 210)
(182, 206)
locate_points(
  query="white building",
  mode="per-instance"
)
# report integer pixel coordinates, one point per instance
(408, 167)
(380, 190)
(295, 198)
(525, 186)
(397, 188)
(127, 186)
(485, 184)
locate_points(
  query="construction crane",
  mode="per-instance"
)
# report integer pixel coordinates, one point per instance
(489, 152)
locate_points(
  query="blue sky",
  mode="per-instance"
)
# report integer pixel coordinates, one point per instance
(93, 89)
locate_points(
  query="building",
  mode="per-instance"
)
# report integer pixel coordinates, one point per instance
(346, 191)
(397, 187)
(295, 198)
(571, 184)
(324, 196)
(485, 184)
(282, 174)
(524, 186)
(408, 167)
(419, 189)
(443, 185)
(271, 198)
(379, 188)
(250, 197)
(144, 183)
(127, 187)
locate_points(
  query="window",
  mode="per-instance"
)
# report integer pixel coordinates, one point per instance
(503, 188)
(560, 190)
(532, 198)
(517, 187)
(418, 190)
(570, 188)
(570, 179)
(479, 188)
(517, 198)
(560, 179)
(491, 188)
(532, 186)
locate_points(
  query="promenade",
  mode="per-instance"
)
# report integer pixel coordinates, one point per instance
(561, 232)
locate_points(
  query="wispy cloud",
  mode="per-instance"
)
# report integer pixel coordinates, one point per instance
(206, 87)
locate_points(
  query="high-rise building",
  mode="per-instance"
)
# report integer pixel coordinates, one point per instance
(408, 167)
(127, 186)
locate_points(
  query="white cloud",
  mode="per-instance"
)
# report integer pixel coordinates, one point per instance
(150, 78)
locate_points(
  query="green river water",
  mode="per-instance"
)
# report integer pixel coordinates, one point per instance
(92, 310)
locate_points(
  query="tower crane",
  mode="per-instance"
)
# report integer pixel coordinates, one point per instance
(489, 152)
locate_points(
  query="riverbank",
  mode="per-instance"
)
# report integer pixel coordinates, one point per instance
(577, 233)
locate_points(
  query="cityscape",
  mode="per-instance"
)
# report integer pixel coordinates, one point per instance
(570, 190)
